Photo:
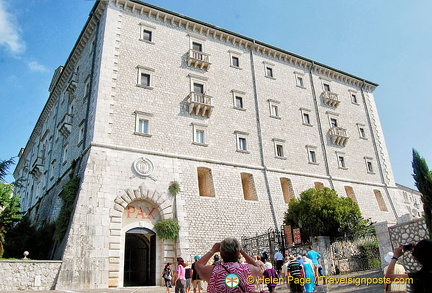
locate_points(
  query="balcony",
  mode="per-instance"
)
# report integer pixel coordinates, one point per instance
(198, 59)
(65, 125)
(37, 167)
(330, 98)
(200, 104)
(338, 136)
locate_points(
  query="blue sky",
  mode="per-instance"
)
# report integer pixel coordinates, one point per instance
(388, 42)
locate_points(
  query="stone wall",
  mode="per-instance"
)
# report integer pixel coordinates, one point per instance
(414, 230)
(28, 275)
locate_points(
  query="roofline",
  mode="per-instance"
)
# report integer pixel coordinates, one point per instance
(251, 40)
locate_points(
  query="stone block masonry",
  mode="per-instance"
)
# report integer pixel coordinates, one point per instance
(28, 275)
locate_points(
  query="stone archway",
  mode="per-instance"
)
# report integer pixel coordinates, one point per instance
(161, 201)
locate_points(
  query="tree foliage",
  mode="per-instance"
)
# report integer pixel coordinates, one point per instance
(323, 212)
(423, 181)
(4, 168)
(9, 211)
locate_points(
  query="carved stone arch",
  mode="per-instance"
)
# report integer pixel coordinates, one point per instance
(162, 202)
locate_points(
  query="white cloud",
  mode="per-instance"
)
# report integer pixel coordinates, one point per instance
(36, 67)
(9, 31)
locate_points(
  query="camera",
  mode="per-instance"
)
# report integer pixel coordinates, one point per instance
(407, 247)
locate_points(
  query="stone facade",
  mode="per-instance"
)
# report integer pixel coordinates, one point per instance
(148, 97)
(28, 275)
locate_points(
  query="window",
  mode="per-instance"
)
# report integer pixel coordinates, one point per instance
(319, 185)
(205, 182)
(242, 144)
(279, 148)
(235, 61)
(369, 165)
(65, 153)
(142, 123)
(287, 189)
(238, 100)
(361, 130)
(350, 193)
(248, 184)
(300, 81)
(341, 161)
(306, 118)
(380, 200)
(333, 122)
(198, 88)
(274, 108)
(326, 87)
(241, 141)
(146, 33)
(87, 88)
(81, 132)
(197, 47)
(354, 99)
(312, 155)
(199, 134)
(268, 70)
(145, 77)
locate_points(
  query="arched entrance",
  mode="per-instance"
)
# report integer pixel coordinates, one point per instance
(140, 257)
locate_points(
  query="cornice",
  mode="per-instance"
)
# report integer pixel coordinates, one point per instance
(217, 33)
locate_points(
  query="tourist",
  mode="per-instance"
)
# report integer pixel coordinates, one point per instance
(167, 276)
(422, 252)
(216, 260)
(196, 279)
(188, 276)
(295, 270)
(309, 275)
(278, 258)
(272, 275)
(398, 270)
(284, 272)
(215, 275)
(314, 256)
(259, 283)
(179, 276)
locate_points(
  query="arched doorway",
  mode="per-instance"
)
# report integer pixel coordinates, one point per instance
(140, 258)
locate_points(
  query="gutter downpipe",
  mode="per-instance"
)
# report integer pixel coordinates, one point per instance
(323, 148)
(260, 138)
(376, 151)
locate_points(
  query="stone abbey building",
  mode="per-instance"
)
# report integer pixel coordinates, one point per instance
(148, 97)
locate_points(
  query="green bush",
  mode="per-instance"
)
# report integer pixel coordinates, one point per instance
(167, 229)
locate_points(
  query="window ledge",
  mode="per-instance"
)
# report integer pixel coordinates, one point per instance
(365, 138)
(302, 87)
(142, 134)
(313, 163)
(270, 77)
(307, 124)
(236, 67)
(281, 158)
(200, 144)
(343, 168)
(240, 109)
(276, 117)
(146, 41)
(80, 143)
(242, 151)
(144, 86)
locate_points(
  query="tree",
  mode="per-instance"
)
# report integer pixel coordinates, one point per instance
(423, 181)
(322, 212)
(9, 211)
(9, 203)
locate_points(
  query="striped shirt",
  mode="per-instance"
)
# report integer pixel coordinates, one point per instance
(295, 269)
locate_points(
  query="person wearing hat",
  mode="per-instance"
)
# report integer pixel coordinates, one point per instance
(196, 279)
(295, 270)
(398, 269)
(179, 276)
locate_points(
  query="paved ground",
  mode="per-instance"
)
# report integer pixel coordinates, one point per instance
(339, 288)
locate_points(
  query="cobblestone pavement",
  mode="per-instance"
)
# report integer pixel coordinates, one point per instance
(338, 288)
